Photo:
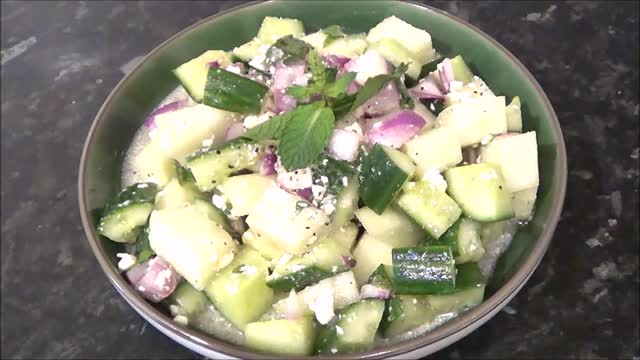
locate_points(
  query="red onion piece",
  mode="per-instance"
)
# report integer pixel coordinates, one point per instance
(305, 193)
(281, 102)
(396, 129)
(268, 164)
(235, 130)
(287, 75)
(372, 291)
(348, 261)
(172, 106)
(213, 63)
(137, 272)
(445, 69)
(335, 61)
(283, 77)
(158, 281)
(343, 145)
(387, 100)
(427, 88)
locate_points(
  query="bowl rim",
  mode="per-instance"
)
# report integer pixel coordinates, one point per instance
(456, 325)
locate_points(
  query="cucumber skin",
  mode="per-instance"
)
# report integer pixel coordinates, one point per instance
(136, 195)
(300, 279)
(329, 340)
(380, 278)
(379, 172)
(232, 92)
(423, 270)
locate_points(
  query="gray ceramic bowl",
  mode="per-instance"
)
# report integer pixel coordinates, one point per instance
(125, 109)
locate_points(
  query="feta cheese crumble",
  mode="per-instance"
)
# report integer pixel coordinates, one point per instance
(126, 261)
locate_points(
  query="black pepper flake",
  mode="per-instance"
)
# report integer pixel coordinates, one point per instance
(326, 224)
(306, 227)
(314, 234)
(500, 187)
(230, 166)
(218, 152)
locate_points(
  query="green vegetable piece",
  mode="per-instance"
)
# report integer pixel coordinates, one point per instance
(333, 32)
(229, 91)
(423, 270)
(127, 211)
(143, 248)
(287, 49)
(384, 172)
(305, 136)
(333, 171)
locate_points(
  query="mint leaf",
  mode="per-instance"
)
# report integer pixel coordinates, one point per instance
(339, 87)
(376, 83)
(406, 101)
(316, 65)
(333, 32)
(400, 70)
(370, 89)
(342, 105)
(271, 129)
(288, 50)
(305, 135)
(302, 92)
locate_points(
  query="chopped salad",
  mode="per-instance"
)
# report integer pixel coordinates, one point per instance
(323, 192)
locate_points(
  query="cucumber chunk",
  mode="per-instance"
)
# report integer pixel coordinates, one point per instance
(286, 337)
(481, 192)
(249, 50)
(516, 155)
(415, 40)
(437, 148)
(213, 213)
(245, 191)
(211, 166)
(194, 245)
(262, 244)
(273, 28)
(188, 300)
(404, 313)
(397, 54)
(514, 115)
(346, 203)
(353, 329)
(423, 270)
(322, 261)
(315, 39)
(344, 235)
(350, 46)
(174, 195)
(464, 239)
(193, 74)
(240, 291)
(288, 221)
(523, 203)
(370, 252)
(469, 291)
(179, 133)
(150, 165)
(343, 287)
(123, 215)
(384, 172)
(431, 208)
(475, 119)
(461, 71)
(392, 226)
